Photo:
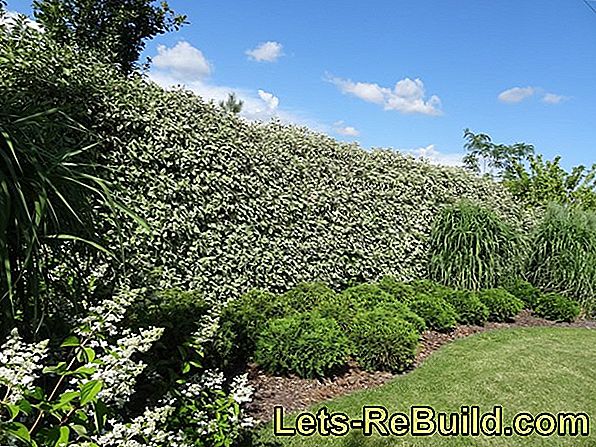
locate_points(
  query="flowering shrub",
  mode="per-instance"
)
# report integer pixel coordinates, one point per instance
(81, 398)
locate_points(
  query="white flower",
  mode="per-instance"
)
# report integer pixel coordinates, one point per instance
(19, 362)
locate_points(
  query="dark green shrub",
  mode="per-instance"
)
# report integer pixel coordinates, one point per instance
(472, 248)
(467, 305)
(524, 291)
(366, 296)
(305, 344)
(398, 289)
(563, 254)
(307, 296)
(553, 306)
(502, 306)
(428, 287)
(178, 311)
(242, 321)
(383, 342)
(403, 311)
(437, 313)
(338, 310)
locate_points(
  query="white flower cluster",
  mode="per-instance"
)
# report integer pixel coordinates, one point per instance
(118, 370)
(147, 430)
(104, 318)
(19, 363)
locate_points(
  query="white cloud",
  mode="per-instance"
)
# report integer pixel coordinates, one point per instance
(432, 155)
(407, 96)
(259, 105)
(552, 98)
(266, 52)
(348, 131)
(182, 61)
(516, 94)
(270, 99)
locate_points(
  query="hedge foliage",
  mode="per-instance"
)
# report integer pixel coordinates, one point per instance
(233, 205)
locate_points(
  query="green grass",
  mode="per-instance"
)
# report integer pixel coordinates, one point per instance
(532, 369)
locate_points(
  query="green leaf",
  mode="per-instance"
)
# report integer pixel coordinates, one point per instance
(83, 370)
(70, 341)
(89, 391)
(64, 437)
(13, 410)
(90, 354)
(17, 430)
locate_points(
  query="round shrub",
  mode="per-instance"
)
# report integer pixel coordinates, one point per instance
(242, 320)
(383, 342)
(437, 313)
(553, 306)
(524, 291)
(304, 344)
(403, 311)
(428, 287)
(502, 306)
(398, 289)
(307, 296)
(366, 296)
(467, 305)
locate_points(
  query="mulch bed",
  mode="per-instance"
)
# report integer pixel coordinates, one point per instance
(295, 393)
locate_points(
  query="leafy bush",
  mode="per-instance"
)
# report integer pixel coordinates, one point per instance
(402, 311)
(366, 296)
(398, 289)
(563, 255)
(469, 308)
(242, 321)
(307, 296)
(471, 247)
(553, 306)
(383, 342)
(437, 313)
(428, 287)
(305, 344)
(523, 290)
(502, 306)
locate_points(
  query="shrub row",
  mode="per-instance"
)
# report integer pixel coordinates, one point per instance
(312, 331)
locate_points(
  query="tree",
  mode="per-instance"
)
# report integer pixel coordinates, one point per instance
(116, 28)
(232, 104)
(545, 181)
(488, 158)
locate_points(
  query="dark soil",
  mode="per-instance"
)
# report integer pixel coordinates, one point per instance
(294, 393)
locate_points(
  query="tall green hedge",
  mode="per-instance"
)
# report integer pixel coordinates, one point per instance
(234, 205)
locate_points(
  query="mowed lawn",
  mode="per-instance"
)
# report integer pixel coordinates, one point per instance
(532, 369)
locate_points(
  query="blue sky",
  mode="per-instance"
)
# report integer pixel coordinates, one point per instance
(401, 74)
